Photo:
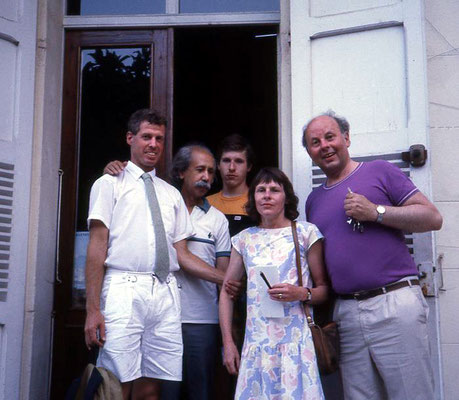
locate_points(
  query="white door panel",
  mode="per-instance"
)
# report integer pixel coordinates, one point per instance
(366, 81)
(366, 60)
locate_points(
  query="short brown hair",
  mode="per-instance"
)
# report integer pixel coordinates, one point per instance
(145, 114)
(271, 174)
(236, 142)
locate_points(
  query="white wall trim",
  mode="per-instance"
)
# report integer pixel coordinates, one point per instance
(284, 91)
(158, 20)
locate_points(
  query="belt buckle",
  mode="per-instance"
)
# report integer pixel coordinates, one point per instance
(357, 296)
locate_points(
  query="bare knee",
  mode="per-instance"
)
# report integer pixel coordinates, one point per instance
(146, 389)
(126, 388)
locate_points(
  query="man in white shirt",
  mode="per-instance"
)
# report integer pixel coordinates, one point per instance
(133, 310)
(193, 170)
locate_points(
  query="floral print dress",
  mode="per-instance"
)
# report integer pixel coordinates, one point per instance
(278, 361)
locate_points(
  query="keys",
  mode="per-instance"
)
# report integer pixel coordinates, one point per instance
(356, 225)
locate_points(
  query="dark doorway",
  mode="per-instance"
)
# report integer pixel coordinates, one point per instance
(225, 81)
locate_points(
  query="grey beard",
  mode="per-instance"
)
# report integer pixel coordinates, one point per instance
(202, 184)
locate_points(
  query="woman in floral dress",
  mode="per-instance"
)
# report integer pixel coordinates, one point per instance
(278, 359)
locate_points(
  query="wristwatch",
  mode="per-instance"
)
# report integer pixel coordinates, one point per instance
(309, 296)
(380, 210)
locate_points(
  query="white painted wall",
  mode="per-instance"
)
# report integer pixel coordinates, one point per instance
(17, 78)
(442, 34)
(45, 161)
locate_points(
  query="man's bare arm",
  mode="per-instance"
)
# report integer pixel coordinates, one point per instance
(195, 266)
(95, 271)
(417, 214)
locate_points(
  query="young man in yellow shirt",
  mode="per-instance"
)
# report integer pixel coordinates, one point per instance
(235, 160)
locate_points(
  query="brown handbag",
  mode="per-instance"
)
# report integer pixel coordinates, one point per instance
(325, 337)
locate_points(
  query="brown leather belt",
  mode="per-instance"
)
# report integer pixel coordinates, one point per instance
(367, 294)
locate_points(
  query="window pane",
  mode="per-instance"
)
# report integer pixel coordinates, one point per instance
(115, 82)
(218, 6)
(116, 7)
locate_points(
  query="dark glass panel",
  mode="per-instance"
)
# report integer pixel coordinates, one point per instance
(114, 83)
(115, 7)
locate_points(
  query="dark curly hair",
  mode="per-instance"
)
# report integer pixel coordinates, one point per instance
(271, 174)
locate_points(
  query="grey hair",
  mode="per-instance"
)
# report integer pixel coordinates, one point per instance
(342, 122)
(182, 159)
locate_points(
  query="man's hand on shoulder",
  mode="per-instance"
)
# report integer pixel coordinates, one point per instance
(94, 329)
(115, 167)
(360, 208)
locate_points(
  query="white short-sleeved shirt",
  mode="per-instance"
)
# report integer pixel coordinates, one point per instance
(121, 203)
(199, 298)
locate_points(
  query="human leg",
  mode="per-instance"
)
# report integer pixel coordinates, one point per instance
(121, 352)
(145, 389)
(171, 390)
(360, 377)
(143, 327)
(126, 388)
(199, 356)
(162, 347)
(400, 345)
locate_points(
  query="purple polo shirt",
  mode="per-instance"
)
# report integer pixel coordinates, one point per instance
(378, 256)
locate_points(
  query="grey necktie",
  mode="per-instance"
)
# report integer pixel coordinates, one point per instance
(162, 252)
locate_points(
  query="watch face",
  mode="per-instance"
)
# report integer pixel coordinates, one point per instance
(381, 209)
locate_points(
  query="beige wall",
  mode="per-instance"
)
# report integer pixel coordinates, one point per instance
(442, 35)
(37, 330)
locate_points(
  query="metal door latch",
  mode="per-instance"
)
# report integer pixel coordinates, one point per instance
(416, 156)
(426, 278)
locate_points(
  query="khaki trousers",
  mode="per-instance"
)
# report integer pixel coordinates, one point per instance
(384, 346)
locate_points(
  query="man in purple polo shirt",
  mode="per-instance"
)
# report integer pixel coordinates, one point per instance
(362, 210)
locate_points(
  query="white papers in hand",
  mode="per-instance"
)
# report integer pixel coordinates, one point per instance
(269, 308)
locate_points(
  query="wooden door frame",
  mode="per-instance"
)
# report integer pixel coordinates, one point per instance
(68, 321)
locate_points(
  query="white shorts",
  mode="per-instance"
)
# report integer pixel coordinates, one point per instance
(143, 326)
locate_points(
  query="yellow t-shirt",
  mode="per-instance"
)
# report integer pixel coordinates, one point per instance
(233, 208)
(229, 205)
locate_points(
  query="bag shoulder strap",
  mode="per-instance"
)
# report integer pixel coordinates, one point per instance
(297, 253)
(298, 269)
